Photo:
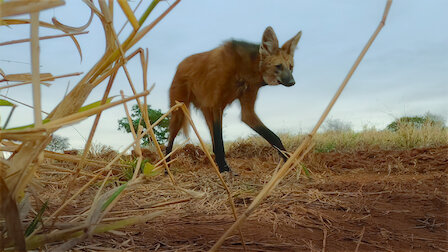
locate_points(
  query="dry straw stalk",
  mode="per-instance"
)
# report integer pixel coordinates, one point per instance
(49, 78)
(35, 51)
(12, 8)
(207, 153)
(42, 38)
(19, 169)
(267, 189)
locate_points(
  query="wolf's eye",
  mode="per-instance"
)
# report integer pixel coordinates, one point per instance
(279, 66)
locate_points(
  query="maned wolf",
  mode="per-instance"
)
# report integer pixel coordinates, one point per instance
(235, 70)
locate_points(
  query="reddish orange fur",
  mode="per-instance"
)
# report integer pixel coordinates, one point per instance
(235, 70)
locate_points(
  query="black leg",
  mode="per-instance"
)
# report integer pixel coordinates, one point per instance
(272, 138)
(249, 117)
(176, 122)
(168, 149)
(218, 147)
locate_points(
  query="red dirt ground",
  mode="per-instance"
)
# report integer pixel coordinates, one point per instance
(373, 200)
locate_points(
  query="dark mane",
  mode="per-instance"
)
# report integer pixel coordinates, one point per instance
(244, 47)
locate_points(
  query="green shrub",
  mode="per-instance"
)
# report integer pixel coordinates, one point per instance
(161, 130)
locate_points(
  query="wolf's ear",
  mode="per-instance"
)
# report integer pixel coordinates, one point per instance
(291, 45)
(269, 42)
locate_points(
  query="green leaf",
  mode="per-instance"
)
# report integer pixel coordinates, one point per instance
(113, 196)
(30, 229)
(148, 11)
(95, 104)
(307, 173)
(6, 103)
(148, 170)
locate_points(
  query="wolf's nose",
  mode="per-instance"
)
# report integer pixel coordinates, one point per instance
(289, 83)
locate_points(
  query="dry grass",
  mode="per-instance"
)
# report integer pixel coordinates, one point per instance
(296, 202)
(85, 200)
(406, 137)
(18, 172)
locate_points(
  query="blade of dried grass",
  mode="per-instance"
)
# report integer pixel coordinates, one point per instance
(168, 113)
(127, 21)
(127, 222)
(144, 59)
(48, 78)
(294, 158)
(43, 24)
(77, 96)
(57, 168)
(157, 165)
(139, 163)
(116, 66)
(8, 209)
(11, 42)
(129, 42)
(36, 241)
(20, 84)
(12, 8)
(76, 159)
(23, 135)
(21, 103)
(35, 78)
(111, 6)
(131, 126)
(129, 13)
(52, 78)
(73, 29)
(57, 123)
(156, 144)
(27, 168)
(39, 240)
(154, 205)
(25, 77)
(144, 112)
(68, 245)
(153, 137)
(18, 173)
(148, 28)
(141, 208)
(109, 32)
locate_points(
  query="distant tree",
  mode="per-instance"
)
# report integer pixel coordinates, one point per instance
(161, 130)
(58, 144)
(417, 122)
(336, 125)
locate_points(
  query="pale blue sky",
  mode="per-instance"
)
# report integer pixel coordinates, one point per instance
(404, 73)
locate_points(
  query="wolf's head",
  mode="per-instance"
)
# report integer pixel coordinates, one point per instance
(276, 64)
